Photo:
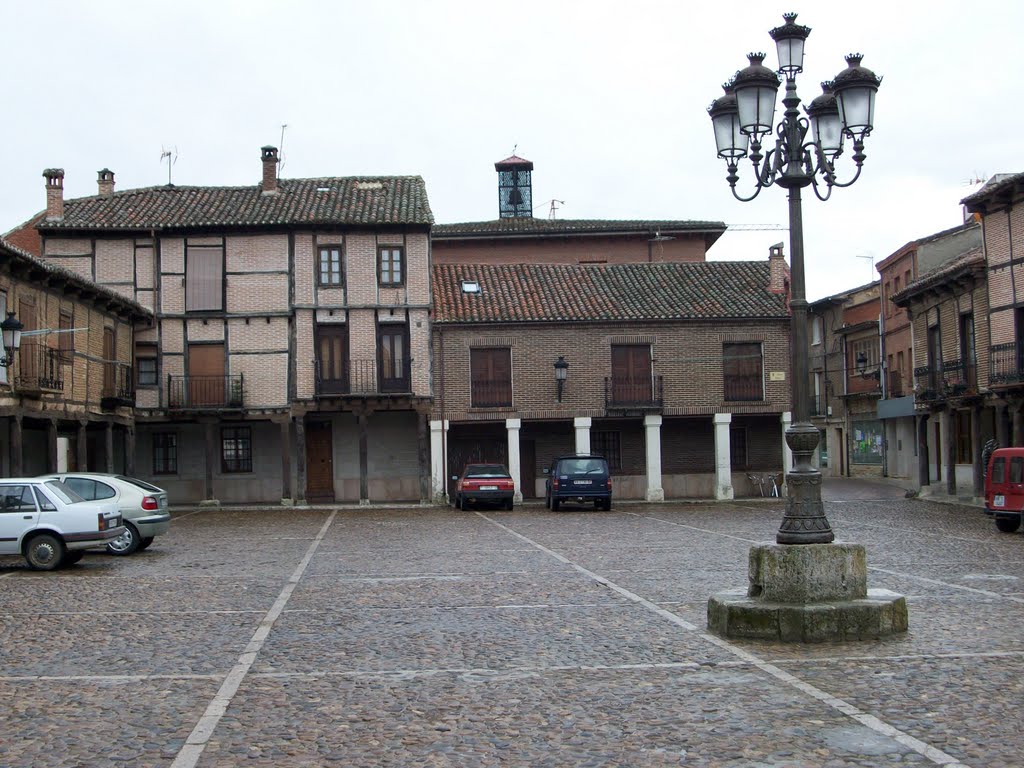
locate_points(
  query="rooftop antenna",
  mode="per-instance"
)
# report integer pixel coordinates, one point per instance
(280, 157)
(871, 265)
(977, 178)
(171, 156)
(554, 208)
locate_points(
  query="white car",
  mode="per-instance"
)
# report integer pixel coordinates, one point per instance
(143, 506)
(51, 525)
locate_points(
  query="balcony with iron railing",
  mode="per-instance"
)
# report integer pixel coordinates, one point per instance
(634, 394)
(118, 386)
(491, 393)
(895, 381)
(363, 378)
(950, 378)
(743, 388)
(40, 369)
(205, 393)
(1006, 363)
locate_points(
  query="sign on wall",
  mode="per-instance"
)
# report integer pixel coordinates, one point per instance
(866, 442)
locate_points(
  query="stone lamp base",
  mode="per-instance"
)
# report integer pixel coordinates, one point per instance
(807, 593)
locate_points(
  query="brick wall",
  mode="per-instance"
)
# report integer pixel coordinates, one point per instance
(569, 250)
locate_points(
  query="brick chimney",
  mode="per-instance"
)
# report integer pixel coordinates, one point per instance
(778, 270)
(105, 180)
(269, 169)
(54, 193)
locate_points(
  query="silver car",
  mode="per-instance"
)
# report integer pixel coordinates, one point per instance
(142, 505)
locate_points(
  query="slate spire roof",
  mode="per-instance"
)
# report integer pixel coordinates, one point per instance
(353, 201)
(512, 293)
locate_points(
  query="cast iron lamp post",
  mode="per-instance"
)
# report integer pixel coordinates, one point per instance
(10, 329)
(741, 119)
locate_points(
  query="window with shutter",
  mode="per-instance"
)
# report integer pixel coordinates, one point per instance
(490, 370)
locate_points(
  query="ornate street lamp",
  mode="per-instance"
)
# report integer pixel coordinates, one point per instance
(561, 370)
(742, 119)
(11, 331)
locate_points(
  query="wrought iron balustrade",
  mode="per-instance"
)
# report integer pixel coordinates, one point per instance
(491, 393)
(40, 368)
(1006, 363)
(205, 392)
(364, 377)
(950, 378)
(118, 385)
(745, 388)
(896, 384)
(633, 393)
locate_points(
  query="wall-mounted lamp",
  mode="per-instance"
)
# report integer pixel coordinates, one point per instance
(561, 369)
(11, 328)
(862, 367)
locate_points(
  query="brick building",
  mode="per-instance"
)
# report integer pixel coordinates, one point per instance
(677, 368)
(290, 357)
(67, 395)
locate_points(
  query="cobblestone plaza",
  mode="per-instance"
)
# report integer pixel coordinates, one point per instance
(428, 636)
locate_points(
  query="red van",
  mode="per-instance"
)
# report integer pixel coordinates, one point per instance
(1004, 488)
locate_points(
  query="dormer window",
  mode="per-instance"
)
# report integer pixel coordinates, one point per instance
(470, 286)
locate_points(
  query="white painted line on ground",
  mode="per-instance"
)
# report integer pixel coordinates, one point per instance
(103, 678)
(190, 753)
(961, 587)
(937, 756)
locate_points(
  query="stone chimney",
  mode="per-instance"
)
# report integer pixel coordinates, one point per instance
(269, 169)
(105, 180)
(54, 193)
(778, 270)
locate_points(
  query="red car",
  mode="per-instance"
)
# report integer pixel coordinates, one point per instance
(484, 484)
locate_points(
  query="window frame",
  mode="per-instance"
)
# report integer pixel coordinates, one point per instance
(391, 282)
(195, 291)
(482, 360)
(241, 461)
(607, 443)
(138, 371)
(165, 453)
(729, 361)
(327, 249)
(739, 446)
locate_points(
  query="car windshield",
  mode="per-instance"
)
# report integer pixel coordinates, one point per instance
(139, 483)
(486, 470)
(582, 466)
(62, 492)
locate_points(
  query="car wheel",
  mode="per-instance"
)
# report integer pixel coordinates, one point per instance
(508, 504)
(462, 503)
(44, 552)
(1007, 524)
(70, 558)
(126, 543)
(554, 504)
(144, 543)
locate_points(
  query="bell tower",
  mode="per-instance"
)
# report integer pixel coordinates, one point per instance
(515, 189)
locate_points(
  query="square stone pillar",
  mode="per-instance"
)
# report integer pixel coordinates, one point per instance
(514, 464)
(787, 454)
(652, 441)
(439, 461)
(582, 426)
(723, 459)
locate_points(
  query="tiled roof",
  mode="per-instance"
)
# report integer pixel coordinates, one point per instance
(971, 262)
(377, 200)
(1002, 184)
(563, 292)
(527, 226)
(132, 307)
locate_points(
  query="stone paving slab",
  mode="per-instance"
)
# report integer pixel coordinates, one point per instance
(103, 724)
(414, 562)
(617, 717)
(487, 638)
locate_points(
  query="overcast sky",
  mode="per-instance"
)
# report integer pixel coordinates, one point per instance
(608, 99)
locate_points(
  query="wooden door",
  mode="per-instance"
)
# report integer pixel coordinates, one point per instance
(631, 373)
(319, 462)
(332, 359)
(206, 374)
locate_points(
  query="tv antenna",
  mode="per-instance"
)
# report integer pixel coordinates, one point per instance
(871, 263)
(280, 156)
(977, 178)
(171, 155)
(552, 212)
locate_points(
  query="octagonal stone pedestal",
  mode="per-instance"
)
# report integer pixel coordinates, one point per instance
(807, 593)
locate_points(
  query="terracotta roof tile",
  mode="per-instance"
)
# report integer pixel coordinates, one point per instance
(377, 200)
(628, 292)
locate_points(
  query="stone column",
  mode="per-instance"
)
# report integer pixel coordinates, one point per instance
(979, 468)
(787, 453)
(423, 455)
(82, 449)
(652, 442)
(17, 447)
(582, 425)
(212, 455)
(108, 439)
(923, 477)
(949, 451)
(51, 446)
(723, 458)
(514, 464)
(286, 463)
(439, 460)
(300, 458)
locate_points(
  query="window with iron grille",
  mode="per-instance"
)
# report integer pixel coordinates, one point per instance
(391, 265)
(165, 453)
(738, 448)
(236, 449)
(609, 445)
(490, 371)
(743, 371)
(331, 269)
